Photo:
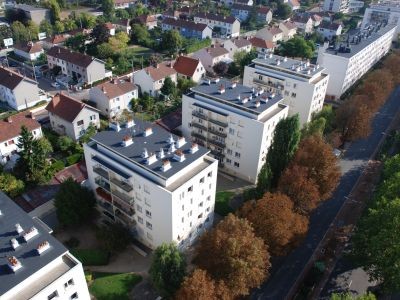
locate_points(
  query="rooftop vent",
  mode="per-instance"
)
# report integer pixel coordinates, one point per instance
(308, 72)
(180, 142)
(115, 126)
(216, 80)
(238, 97)
(151, 159)
(170, 139)
(221, 89)
(14, 243)
(127, 141)
(264, 99)
(233, 85)
(207, 81)
(278, 62)
(30, 233)
(18, 228)
(130, 123)
(172, 148)
(245, 100)
(13, 263)
(272, 95)
(166, 165)
(43, 246)
(148, 131)
(285, 59)
(270, 55)
(161, 153)
(179, 155)
(145, 154)
(257, 104)
(194, 148)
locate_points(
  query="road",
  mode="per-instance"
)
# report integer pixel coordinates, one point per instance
(284, 276)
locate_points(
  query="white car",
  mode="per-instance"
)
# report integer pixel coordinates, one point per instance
(55, 84)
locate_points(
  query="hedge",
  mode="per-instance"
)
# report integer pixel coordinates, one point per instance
(74, 158)
(91, 257)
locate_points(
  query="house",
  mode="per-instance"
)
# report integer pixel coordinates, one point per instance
(224, 26)
(55, 40)
(264, 14)
(272, 34)
(289, 29)
(80, 67)
(71, 117)
(316, 18)
(17, 91)
(151, 79)
(123, 4)
(242, 12)
(189, 68)
(172, 122)
(123, 25)
(330, 29)
(149, 21)
(114, 96)
(188, 29)
(211, 56)
(303, 22)
(236, 45)
(294, 4)
(111, 28)
(10, 129)
(262, 46)
(32, 13)
(30, 51)
(233, 2)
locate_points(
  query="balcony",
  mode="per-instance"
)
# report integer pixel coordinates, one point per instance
(123, 217)
(122, 184)
(204, 117)
(102, 183)
(122, 196)
(198, 135)
(197, 125)
(217, 154)
(216, 143)
(106, 206)
(130, 212)
(216, 132)
(100, 171)
(269, 84)
(103, 194)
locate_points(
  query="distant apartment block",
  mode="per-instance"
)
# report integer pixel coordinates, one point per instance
(301, 84)
(162, 187)
(225, 26)
(235, 122)
(188, 29)
(347, 62)
(343, 6)
(34, 264)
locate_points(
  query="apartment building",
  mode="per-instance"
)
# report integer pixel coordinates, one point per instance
(10, 129)
(34, 264)
(162, 187)
(383, 11)
(343, 6)
(235, 122)
(80, 67)
(225, 26)
(301, 84)
(187, 29)
(17, 91)
(348, 61)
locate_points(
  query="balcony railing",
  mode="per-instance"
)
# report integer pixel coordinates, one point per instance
(216, 143)
(123, 217)
(217, 153)
(122, 196)
(106, 206)
(204, 117)
(122, 184)
(269, 84)
(216, 132)
(100, 182)
(130, 212)
(198, 135)
(197, 125)
(100, 171)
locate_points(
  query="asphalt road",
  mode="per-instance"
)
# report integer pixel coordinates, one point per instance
(284, 276)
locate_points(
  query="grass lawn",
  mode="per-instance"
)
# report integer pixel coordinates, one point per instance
(113, 286)
(139, 51)
(222, 202)
(91, 257)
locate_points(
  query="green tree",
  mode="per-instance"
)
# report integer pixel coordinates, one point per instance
(168, 87)
(140, 35)
(55, 10)
(76, 42)
(90, 131)
(46, 27)
(19, 31)
(171, 42)
(33, 30)
(114, 238)
(86, 20)
(284, 11)
(45, 145)
(69, 24)
(65, 143)
(243, 59)
(104, 50)
(108, 8)
(100, 34)
(11, 185)
(168, 269)
(349, 296)
(316, 126)
(59, 27)
(184, 85)
(74, 203)
(5, 33)
(297, 47)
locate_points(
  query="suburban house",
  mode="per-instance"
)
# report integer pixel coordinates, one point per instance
(242, 12)
(264, 14)
(294, 4)
(111, 28)
(330, 29)
(123, 25)
(189, 68)
(29, 51)
(225, 26)
(81, 67)
(17, 91)
(289, 29)
(188, 29)
(316, 18)
(55, 40)
(272, 34)
(149, 21)
(10, 129)
(303, 22)
(211, 56)
(238, 44)
(233, 2)
(122, 4)
(151, 79)
(262, 46)
(71, 117)
(32, 13)
(114, 96)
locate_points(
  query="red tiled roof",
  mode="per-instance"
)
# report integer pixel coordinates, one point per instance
(57, 39)
(75, 58)
(11, 126)
(241, 42)
(186, 65)
(289, 25)
(220, 18)
(116, 87)
(260, 43)
(171, 121)
(29, 47)
(216, 51)
(144, 19)
(263, 10)
(109, 25)
(275, 30)
(329, 25)
(160, 72)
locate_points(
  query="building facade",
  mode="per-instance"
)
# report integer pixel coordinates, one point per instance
(29, 51)
(210, 56)
(235, 122)
(236, 45)
(151, 79)
(189, 68)
(343, 6)
(160, 186)
(301, 84)
(188, 29)
(225, 26)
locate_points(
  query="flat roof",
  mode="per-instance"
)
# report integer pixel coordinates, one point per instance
(375, 33)
(153, 143)
(26, 252)
(230, 96)
(288, 65)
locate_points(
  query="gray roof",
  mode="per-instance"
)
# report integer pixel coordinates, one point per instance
(153, 143)
(376, 33)
(288, 65)
(26, 7)
(231, 94)
(26, 252)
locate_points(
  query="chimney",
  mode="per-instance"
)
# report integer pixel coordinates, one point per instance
(257, 104)
(13, 263)
(115, 81)
(30, 233)
(127, 141)
(161, 153)
(194, 148)
(9, 119)
(166, 165)
(130, 123)
(18, 228)
(172, 148)
(151, 159)
(43, 246)
(221, 89)
(145, 154)
(104, 90)
(148, 131)
(180, 142)
(14, 243)
(170, 139)
(179, 155)
(32, 115)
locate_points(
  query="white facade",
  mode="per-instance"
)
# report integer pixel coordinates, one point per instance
(228, 26)
(343, 6)
(302, 85)
(238, 135)
(345, 68)
(150, 79)
(270, 34)
(159, 206)
(330, 31)
(384, 11)
(211, 56)
(289, 30)
(237, 45)
(28, 55)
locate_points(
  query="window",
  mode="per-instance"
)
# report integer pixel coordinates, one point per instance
(237, 154)
(202, 180)
(79, 123)
(231, 131)
(148, 214)
(93, 117)
(236, 164)
(139, 208)
(140, 220)
(229, 151)
(208, 198)
(146, 189)
(68, 283)
(260, 77)
(200, 216)
(208, 209)
(147, 201)
(74, 296)
(183, 207)
(191, 200)
(149, 236)
(52, 295)
(5, 144)
(183, 220)
(190, 188)
(202, 192)
(149, 225)
(294, 95)
(209, 174)
(228, 161)
(201, 204)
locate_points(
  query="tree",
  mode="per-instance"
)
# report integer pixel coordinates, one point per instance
(46, 27)
(221, 68)
(5, 33)
(349, 296)
(297, 47)
(171, 41)
(107, 7)
(45, 145)
(317, 156)
(119, 41)
(74, 203)
(284, 11)
(167, 269)
(113, 238)
(244, 58)
(54, 10)
(64, 143)
(140, 35)
(303, 190)
(239, 258)
(69, 24)
(86, 20)
(275, 221)
(168, 87)
(33, 29)
(11, 185)
(184, 85)
(90, 131)
(104, 50)
(315, 126)
(284, 144)
(59, 27)
(391, 64)
(200, 286)
(19, 31)
(100, 34)
(76, 42)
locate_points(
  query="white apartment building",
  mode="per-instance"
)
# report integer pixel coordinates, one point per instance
(235, 122)
(35, 265)
(343, 6)
(383, 11)
(227, 26)
(302, 85)
(347, 62)
(162, 187)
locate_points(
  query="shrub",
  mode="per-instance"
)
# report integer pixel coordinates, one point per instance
(57, 166)
(91, 257)
(73, 159)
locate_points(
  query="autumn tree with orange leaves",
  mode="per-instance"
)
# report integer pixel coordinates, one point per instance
(231, 252)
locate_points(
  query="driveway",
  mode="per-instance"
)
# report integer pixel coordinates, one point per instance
(285, 273)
